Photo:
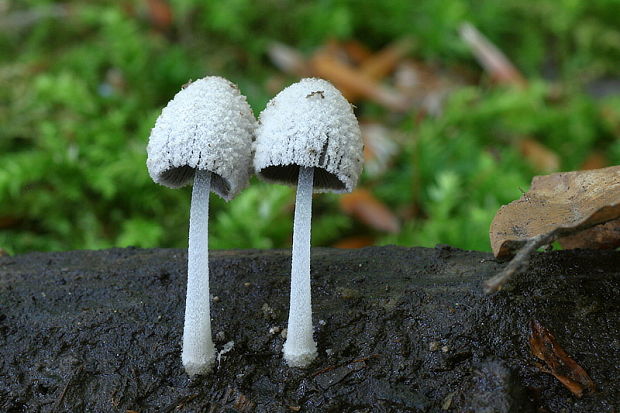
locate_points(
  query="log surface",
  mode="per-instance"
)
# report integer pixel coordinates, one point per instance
(398, 330)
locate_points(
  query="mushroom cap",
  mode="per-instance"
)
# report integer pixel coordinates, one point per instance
(309, 124)
(208, 125)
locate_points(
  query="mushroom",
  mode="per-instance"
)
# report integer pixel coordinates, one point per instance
(204, 134)
(309, 136)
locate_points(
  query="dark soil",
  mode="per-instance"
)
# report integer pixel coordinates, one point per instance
(398, 330)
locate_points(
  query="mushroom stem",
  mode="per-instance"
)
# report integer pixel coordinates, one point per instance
(300, 348)
(198, 349)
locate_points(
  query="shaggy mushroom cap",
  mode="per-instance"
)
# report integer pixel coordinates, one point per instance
(310, 124)
(208, 125)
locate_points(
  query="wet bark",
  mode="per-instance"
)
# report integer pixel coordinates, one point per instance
(398, 329)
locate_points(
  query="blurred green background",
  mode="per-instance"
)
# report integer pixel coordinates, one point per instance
(81, 84)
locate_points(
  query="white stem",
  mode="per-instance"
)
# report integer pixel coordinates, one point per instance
(300, 348)
(198, 349)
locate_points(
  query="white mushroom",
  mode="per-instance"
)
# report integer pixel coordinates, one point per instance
(309, 136)
(205, 133)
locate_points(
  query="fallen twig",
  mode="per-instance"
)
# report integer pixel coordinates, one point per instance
(518, 264)
(288, 59)
(490, 57)
(556, 206)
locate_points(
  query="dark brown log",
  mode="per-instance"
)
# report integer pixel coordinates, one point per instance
(398, 330)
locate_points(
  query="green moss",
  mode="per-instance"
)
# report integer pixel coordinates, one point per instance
(81, 93)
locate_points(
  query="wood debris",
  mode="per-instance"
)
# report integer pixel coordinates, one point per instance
(596, 160)
(490, 57)
(361, 74)
(288, 59)
(160, 14)
(382, 63)
(357, 51)
(353, 83)
(539, 156)
(363, 205)
(354, 242)
(558, 362)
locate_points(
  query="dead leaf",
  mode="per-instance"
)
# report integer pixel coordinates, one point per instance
(539, 156)
(352, 82)
(351, 67)
(354, 242)
(382, 63)
(557, 205)
(603, 237)
(490, 57)
(373, 66)
(596, 160)
(160, 14)
(356, 51)
(544, 346)
(9, 221)
(364, 206)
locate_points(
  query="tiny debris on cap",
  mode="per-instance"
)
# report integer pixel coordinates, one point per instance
(310, 124)
(208, 125)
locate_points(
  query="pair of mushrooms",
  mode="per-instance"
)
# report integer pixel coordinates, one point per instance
(307, 135)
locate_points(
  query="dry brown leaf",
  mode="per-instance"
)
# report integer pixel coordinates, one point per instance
(544, 346)
(539, 156)
(602, 237)
(356, 51)
(354, 242)
(595, 160)
(351, 67)
(352, 82)
(365, 207)
(160, 14)
(9, 222)
(557, 205)
(490, 57)
(382, 63)
(374, 66)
